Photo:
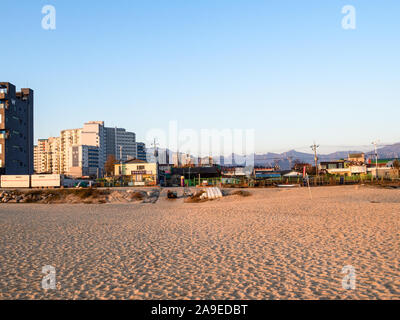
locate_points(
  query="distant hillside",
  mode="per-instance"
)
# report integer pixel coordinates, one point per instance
(392, 151)
(286, 158)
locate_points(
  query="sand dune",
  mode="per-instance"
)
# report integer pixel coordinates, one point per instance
(275, 244)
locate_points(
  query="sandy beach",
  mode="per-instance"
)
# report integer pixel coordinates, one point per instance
(275, 244)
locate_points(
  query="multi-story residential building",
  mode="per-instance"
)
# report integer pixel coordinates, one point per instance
(47, 156)
(141, 151)
(68, 138)
(84, 151)
(16, 130)
(36, 155)
(84, 161)
(42, 157)
(121, 144)
(94, 134)
(55, 151)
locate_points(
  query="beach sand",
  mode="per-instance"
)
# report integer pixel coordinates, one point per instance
(275, 244)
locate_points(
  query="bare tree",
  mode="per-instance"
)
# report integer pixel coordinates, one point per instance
(109, 165)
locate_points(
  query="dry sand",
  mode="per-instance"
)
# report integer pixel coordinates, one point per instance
(275, 244)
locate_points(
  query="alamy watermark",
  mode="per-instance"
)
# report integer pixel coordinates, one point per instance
(237, 146)
(49, 280)
(349, 20)
(349, 280)
(49, 19)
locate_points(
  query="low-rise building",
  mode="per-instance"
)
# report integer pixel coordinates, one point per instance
(357, 157)
(266, 173)
(139, 172)
(233, 171)
(384, 172)
(381, 162)
(335, 164)
(354, 165)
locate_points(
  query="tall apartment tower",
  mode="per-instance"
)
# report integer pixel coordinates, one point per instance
(141, 151)
(55, 151)
(16, 130)
(120, 142)
(94, 134)
(42, 157)
(68, 138)
(47, 156)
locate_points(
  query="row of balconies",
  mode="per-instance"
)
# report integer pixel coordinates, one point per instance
(4, 134)
(3, 93)
(4, 105)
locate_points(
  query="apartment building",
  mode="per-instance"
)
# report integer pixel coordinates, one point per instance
(182, 159)
(36, 156)
(42, 157)
(16, 130)
(84, 161)
(121, 144)
(68, 138)
(141, 153)
(55, 151)
(83, 152)
(94, 134)
(47, 156)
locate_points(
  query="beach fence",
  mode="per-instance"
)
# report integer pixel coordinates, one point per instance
(248, 182)
(322, 180)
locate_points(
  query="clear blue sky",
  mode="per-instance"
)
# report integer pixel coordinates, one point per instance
(285, 68)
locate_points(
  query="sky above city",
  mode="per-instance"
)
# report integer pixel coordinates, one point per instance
(287, 69)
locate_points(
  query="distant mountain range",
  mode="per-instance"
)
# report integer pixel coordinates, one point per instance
(285, 159)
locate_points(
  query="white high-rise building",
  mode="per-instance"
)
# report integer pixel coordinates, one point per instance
(84, 151)
(68, 138)
(55, 151)
(47, 156)
(94, 134)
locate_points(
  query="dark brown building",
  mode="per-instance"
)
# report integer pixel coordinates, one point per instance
(16, 130)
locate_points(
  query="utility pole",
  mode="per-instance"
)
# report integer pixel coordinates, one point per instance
(375, 143)
(314, 148)
(120, 157)
(120, 153)
(155, 144)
